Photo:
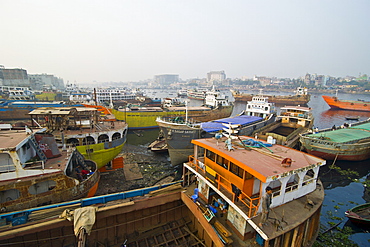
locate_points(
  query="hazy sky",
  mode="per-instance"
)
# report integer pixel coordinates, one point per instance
(86, 41)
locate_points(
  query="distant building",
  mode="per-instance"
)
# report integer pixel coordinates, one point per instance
(216, 77)
(321, 80)
(45, 81)
(14, 77)
(167, 79)
(307, 79)
(263, 80)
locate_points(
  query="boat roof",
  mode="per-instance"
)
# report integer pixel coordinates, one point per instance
(217, 125)
(260, 162)
(9, 139)
(361, 131)
(60, 110)
(299, 108)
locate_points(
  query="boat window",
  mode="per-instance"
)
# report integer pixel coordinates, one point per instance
(6, 163)
(222, 161)
(9, 195)
(116, 136)
(309, 177)
(41, 187)
(292, 183)
(88, 140)
(73, 141)
(103, 138)
(247, 175)
(236, 170)
(210, 155)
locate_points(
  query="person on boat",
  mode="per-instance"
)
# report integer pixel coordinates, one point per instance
(84, 173)
(333, 128)
(266, 202)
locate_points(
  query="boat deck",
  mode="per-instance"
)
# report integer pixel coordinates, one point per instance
(350, 134)
(102, 126)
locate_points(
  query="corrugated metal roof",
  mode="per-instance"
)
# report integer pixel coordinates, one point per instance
(60, 110)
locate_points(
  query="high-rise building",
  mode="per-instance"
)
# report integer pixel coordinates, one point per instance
(14, 77)
(166, 79)
(216, 77)
(41, 81)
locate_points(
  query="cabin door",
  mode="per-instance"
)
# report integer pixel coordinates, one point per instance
(248, 186)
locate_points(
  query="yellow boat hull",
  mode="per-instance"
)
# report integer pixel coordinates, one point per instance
(147, 119)
(99, 154)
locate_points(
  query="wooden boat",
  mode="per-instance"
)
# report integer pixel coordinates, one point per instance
(158, 146)
(169, 210)
(300, 98)
(348, 143)
(360, 214)
(292, 121)
(35, 172)
(353, 118)
(93, 130)
(350, 105)
(179, 132)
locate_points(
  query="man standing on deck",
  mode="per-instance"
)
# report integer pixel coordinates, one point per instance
(266, 202)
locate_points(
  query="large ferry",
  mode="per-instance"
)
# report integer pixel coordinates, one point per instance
(301, 97)
(35, 172)
(93, 130)
(198, 94)
(179, 132)
(351, 105)
(348, 143)
(218, 204)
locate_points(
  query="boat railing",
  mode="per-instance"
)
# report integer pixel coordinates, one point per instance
(221, 182)
(34, 165)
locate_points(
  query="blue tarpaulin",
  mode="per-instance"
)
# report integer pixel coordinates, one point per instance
(217, 125)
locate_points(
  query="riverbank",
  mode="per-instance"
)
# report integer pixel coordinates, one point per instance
(142, 168)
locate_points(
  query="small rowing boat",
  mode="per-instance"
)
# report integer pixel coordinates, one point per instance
(360, 214)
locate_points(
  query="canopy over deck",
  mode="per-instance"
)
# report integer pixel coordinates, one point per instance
(217, 125)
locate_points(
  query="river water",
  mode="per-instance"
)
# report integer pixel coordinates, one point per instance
(341, 192)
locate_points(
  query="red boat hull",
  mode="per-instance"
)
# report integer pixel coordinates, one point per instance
(351, 105)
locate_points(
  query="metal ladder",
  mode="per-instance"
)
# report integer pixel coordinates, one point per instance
(37, 148)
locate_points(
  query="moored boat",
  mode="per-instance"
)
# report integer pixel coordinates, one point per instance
(230, 185)
(348, 143)
(214, 98)
(351, 105)
(35, 172)
(300, 98)
(292, 121)
(93, 130)
(145, 117)
(359, 214)
(197, 94)
(179, 132)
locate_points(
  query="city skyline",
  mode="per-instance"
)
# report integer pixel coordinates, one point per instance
(87, 41)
